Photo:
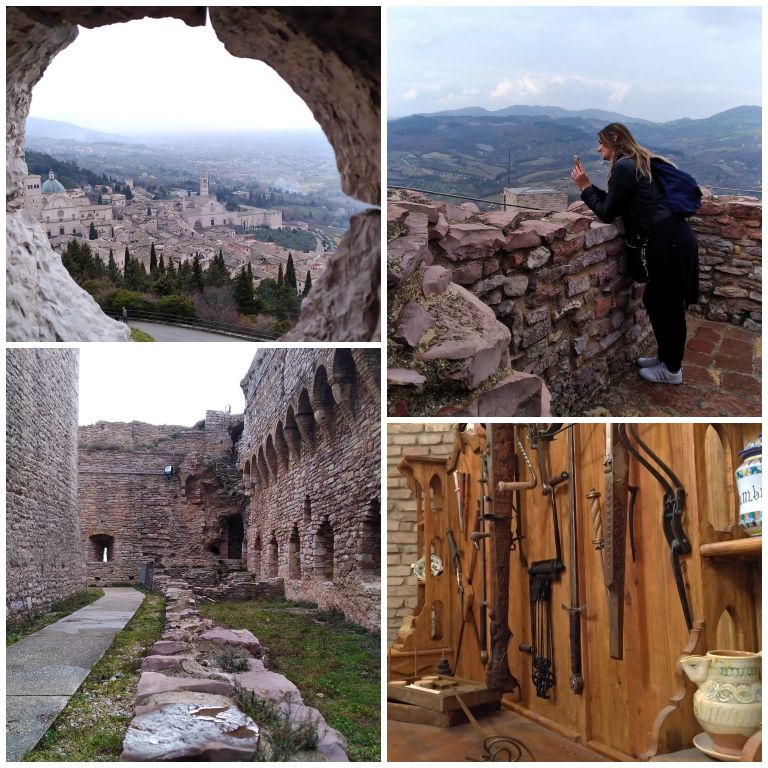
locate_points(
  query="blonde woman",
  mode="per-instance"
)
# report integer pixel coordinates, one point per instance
(665, 249)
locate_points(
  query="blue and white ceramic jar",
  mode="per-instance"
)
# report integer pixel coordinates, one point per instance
(749, 481)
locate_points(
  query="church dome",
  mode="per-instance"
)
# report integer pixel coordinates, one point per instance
(51, 185)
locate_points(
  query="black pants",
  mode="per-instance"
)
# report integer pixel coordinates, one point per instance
(673, 284)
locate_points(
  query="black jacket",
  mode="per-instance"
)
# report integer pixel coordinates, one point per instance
(634, 199)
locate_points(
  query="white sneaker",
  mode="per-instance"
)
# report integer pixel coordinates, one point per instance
(660, 374)
(647, 362)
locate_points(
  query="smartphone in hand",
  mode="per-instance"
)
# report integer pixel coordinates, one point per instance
(576, 160)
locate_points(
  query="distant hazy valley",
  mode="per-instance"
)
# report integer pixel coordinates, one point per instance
(467, 151)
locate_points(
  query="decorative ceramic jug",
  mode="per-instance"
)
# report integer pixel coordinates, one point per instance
(728, 703)
(749, 480)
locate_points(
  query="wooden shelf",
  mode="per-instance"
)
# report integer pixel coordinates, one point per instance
(748, 548)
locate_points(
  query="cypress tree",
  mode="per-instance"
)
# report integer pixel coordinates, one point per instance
(112, 270)
(161, 266)
(152, 260)
(92, 233)
(290, 272)
(242, 292)
(198, 282)
(307, 284)
(280, 280)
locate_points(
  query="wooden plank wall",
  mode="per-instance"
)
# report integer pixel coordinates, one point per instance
(618, 712)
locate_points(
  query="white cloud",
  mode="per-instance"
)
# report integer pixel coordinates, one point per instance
(411, 93)
(501, 89)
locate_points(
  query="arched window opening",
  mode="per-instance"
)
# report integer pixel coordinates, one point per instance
(294, 554)
(369, 555)
(235, 535)
(272, 457)
(247, 475)
(102, 548)
(263, 467)
(272, 557)
(307, 516)
(281, 447)
(305, 419)
(292, 434)
(324, 551)
(344, 378)
(322, 401)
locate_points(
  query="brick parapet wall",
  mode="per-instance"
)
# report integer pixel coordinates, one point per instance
(44, 550)
(310, 456)
(414, 439)
(124, 495)
(556, 280)
(729, 232)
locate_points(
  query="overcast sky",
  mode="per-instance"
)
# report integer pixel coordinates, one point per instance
(656, 63)
(161, 383)
(160, 74)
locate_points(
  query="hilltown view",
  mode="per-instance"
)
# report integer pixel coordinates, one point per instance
(229, 231)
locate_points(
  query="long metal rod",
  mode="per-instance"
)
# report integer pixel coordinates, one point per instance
(575, 610)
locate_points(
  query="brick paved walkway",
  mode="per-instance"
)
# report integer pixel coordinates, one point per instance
(721, 377)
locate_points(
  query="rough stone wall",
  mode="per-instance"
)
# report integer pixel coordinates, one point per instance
(310, 457)
(44, 553)
(330, 57)
(128, 505)
(730, 235)
(407, 439)
(557, 284)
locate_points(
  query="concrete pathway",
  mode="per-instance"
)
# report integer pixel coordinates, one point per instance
(44, 669)
(161, 332)
(721, 377)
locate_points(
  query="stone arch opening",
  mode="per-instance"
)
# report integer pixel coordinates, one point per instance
(281, 448)
(330, 58)
(305, 418)
(369, 555)
(257, 556)
(247, 474)
(292, 434)
(102, 548)
(294, 554)
(307, 512)
(271, 454)
(234, 537)
(323, 403)
(263, 470)
(324, 552)
(344, 378)
(272, 555)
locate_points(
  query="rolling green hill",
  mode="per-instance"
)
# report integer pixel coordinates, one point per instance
(468, 151)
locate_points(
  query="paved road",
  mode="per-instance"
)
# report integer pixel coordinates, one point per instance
(44, 669)
(172, 333)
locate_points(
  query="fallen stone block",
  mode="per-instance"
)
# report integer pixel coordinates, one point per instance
(239, 637)
(404, 377)
(169, 647)
(517, 394)
(471, 241)
(435, 280)
(414, 321)
(190, 731)
(158, 663)
(152, 683)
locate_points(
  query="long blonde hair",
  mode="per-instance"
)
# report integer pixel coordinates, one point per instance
(618, 137)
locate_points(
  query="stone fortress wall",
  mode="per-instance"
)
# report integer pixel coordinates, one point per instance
(310, 458)
(134, 513)
(44, 549)
(556, 284)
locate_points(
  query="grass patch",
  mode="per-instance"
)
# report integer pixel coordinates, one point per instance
(280, 739)
(93, 724)
(139, 335)
(21, 626)
(232, 659)
(335, 664)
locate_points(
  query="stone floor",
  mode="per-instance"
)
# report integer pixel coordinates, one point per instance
(44, 669)
(721, 377)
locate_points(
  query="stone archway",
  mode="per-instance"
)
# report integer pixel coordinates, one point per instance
(331, 57)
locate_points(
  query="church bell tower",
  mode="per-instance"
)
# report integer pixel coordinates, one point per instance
(203, 185)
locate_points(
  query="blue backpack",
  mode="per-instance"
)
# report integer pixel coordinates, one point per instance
(681, 192)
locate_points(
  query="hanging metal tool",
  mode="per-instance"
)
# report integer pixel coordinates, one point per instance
(544, 573)
(483, 500)
(458, 483)
(674, 509)
(575, 609)
(616, 469)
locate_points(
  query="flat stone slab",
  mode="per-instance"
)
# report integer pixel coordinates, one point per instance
(152, 683)
(190, 731)
(240, 637)
(44, 669)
